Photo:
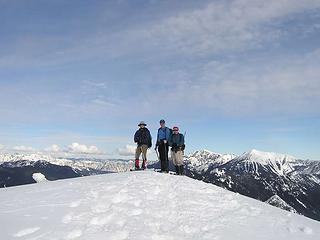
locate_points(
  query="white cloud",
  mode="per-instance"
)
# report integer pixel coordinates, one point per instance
(53, 148)
(24, 148)
(128, 150)
(83, 149)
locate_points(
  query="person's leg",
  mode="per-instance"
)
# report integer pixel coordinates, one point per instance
(144, 156)
(167, 158)
(161, 156)
(179, 159)
(174, 160)
(138, 152)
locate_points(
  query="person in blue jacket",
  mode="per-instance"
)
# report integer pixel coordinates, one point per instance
(163, 136)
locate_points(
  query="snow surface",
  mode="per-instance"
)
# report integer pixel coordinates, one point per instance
(39, 177)
(142, 205)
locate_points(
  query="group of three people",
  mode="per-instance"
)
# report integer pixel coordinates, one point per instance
(166, 138)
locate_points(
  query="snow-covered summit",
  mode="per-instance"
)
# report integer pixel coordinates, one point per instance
(143, 205)
(280, 163)
(206, 158)
(266, 157)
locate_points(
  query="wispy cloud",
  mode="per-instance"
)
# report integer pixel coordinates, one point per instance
(223, 26)
(220, 26)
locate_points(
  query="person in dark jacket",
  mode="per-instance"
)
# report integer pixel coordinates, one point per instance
(163, 137)
(143, 139)
(177, 147)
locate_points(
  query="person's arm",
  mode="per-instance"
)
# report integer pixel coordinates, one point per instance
(136, 137)
(182, 140)
(168, 135)
(150, 139)
(170, 141)
(157, 142)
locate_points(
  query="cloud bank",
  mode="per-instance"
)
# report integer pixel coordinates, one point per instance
(128, 150)
(83, 149)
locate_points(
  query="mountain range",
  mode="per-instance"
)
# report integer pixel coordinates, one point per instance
(278, 179)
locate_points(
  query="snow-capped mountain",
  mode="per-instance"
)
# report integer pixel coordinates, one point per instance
(143, 205)
(112, 165)
(18, 169)
(263, 175)
(279, 179)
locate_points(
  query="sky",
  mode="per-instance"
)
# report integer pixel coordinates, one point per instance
(78, 76)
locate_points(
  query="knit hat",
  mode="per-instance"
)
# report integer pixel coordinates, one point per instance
(175, 128)
(142, 123)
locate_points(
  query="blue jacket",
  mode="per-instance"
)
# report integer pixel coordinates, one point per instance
(163, 134)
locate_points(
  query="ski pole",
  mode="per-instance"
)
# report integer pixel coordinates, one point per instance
(157, 154)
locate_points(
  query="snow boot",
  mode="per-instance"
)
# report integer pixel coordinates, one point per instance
(136, 166)
(144, 164)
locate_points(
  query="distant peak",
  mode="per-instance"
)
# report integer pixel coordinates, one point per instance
(257, 154)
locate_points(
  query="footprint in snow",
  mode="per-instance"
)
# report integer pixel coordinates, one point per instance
(101, 220)
(74, 234)
(118, 198)
(137, 203)
(100, 208)
(157, 190)
(26, 232)
(135, 212)
(75, 204)
(120, 235)
(67, 218)
(306, 230)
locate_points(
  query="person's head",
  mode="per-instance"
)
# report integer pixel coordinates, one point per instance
(162, 123)
(142, 124)
(175, 130)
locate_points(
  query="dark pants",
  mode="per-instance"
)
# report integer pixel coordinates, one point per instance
(163, 150)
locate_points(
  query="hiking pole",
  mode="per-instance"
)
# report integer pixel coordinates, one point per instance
(157, 153)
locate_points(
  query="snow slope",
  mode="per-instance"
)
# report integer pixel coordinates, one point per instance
(142, 205)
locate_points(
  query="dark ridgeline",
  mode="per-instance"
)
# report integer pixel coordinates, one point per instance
(20, 172)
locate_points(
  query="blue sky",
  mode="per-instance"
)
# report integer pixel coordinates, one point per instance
(235, 75)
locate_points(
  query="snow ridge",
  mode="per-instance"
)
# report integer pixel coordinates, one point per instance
(143, 205)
